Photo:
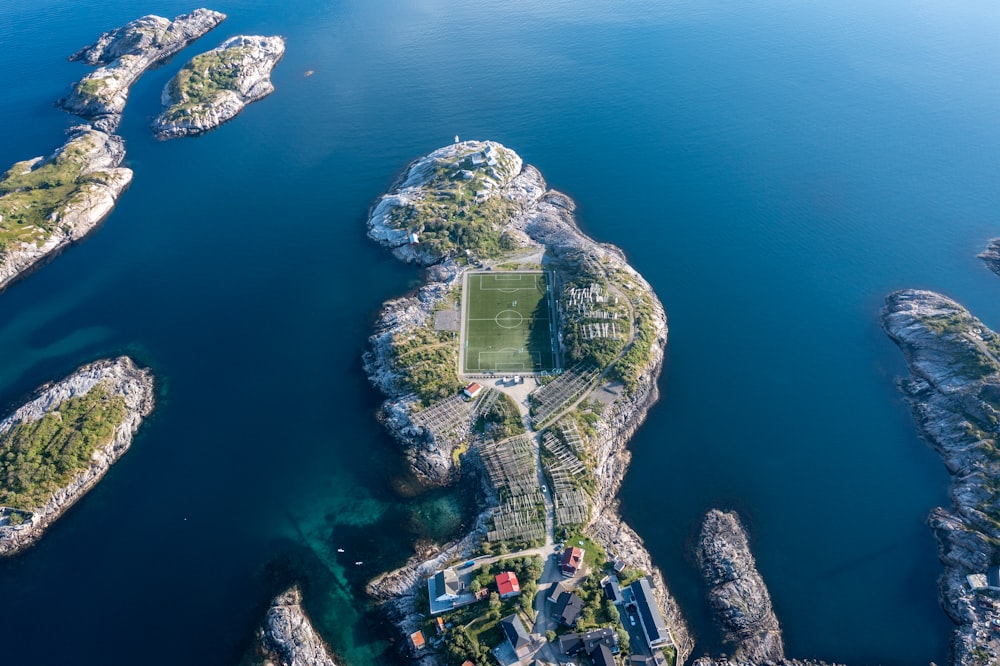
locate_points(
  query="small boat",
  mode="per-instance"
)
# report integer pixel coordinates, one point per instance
(358, 563)
(340, 550)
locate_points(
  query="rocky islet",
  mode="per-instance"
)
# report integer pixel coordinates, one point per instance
(215, 86)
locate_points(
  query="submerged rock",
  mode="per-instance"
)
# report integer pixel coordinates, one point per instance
(954, 392)
(124, 54)
(119, 378)
(288, 637)
(48, 203)
(215, 86)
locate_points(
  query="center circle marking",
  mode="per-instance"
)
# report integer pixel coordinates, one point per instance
(508, 319)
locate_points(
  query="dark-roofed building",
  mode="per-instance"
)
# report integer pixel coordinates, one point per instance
(570, 643)
(605, 636)
(993, 578)
(446, 585)
(568, 609)
(653, 626)
(612, 591)
(572, 560)
(602, 656)
(557, 591)
(516, 635)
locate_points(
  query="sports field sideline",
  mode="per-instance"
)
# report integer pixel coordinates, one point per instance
(507, 326)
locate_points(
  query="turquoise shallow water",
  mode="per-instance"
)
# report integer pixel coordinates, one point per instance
(772, 168)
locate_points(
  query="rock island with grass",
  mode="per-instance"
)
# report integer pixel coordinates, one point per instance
(55, 448)
(547, 437)
(215, 86)
(123, 55)
(48, 203)
(954, 392)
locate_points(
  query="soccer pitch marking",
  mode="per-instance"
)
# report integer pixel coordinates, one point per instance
(501, 278)
(509, 309)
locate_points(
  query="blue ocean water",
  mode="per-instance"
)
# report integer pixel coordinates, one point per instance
(773, 168)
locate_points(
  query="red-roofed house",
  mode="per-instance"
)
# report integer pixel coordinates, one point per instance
(572, 560)
(507, 585)
(417, 640)
(472, 390)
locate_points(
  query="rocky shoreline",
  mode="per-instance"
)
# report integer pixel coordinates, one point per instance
(124, 54)
(98, 185)
(539, 219)
(120, 377)
(287, 637)
(243, 63)
(954, 393)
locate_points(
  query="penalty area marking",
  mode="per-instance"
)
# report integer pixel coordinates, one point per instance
(510, 278)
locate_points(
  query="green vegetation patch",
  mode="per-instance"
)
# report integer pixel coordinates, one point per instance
(427, 362)
(508, 327)
(501, 420)
(30, 193)
(201, 81)
(40, 457)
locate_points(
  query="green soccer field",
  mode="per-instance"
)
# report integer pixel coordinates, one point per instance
(507, 323)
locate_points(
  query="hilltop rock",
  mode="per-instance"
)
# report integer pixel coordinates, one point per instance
(48, 203)
(215, 86)
(125, 53)
(119, 377)
(288, 637)
(954, 392)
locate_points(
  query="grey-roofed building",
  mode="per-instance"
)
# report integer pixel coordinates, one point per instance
(446, 585)
(568, 609)
(653, 626)
(515, 633)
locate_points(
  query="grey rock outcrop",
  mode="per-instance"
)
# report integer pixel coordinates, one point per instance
(124, 54)
(954, 392)
(120, 377)
(197, 105)
(737, 593)
(288, 637)
(99, 183)
(991, 255)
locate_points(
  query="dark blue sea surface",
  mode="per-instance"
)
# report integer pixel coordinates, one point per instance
(773, 168)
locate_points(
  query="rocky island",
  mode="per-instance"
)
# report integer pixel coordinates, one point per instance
(58, 446)
(48, 203)
(287, 637)
(528, 358)
(738, 596)
(954, 392)
(215, 86)
(124, 54)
